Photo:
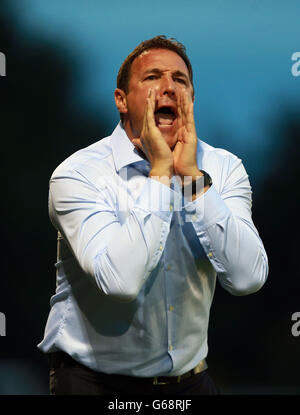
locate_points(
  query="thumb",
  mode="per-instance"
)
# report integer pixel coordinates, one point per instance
(137, 142)
(177, 149)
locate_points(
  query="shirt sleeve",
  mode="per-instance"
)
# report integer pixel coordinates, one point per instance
(118, 257)
(223, 223)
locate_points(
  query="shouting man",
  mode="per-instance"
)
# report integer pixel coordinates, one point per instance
(147, 219)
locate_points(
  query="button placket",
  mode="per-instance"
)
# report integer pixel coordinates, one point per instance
(169, 306)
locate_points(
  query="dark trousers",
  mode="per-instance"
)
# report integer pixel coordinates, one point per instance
(68, 377)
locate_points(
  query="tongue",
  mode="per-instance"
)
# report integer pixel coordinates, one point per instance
(164, 119)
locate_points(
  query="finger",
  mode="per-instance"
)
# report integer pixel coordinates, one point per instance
(182, 109)
(151, 109)
(152, 130)
(179, 117)
(144, 128)
(188, 109)
(179, 110)
(183, 106)
(185, 103)
(137, 143)
(190, 120)
(177, 149)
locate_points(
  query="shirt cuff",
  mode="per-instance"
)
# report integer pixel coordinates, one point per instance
(159, 199)
(206, 210)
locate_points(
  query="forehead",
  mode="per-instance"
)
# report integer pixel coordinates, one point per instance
(163, 59)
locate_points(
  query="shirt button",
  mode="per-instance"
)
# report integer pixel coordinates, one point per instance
(170, 347)
(171, 308)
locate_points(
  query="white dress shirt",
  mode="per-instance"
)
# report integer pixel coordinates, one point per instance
(137, 263)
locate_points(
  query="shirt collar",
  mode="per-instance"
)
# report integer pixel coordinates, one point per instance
(124, 152)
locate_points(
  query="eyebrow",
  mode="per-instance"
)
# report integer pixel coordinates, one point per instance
(159, 71)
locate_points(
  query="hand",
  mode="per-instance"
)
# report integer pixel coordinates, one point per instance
(185, 150)
(152, 143)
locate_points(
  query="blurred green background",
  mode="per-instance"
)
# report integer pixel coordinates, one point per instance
(62, 59)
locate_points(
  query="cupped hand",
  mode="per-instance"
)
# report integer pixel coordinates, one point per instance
(185, 150)
(152, 143)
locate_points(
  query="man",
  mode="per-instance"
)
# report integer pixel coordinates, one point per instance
(147, 218)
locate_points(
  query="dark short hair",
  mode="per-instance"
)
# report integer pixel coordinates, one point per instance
(157, 42)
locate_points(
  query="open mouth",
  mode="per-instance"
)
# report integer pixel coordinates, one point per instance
(165, 116)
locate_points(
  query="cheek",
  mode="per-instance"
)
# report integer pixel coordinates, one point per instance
(134, 109)
(136, 106)
(139, 110)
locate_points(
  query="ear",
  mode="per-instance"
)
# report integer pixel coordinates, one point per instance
(121, 101)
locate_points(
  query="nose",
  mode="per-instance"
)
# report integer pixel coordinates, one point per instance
(167, 86)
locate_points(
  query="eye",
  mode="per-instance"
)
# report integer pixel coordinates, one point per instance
(151, 77)
(180, 80)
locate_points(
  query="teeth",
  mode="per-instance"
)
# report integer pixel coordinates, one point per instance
(164, 119)
(165, 122)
